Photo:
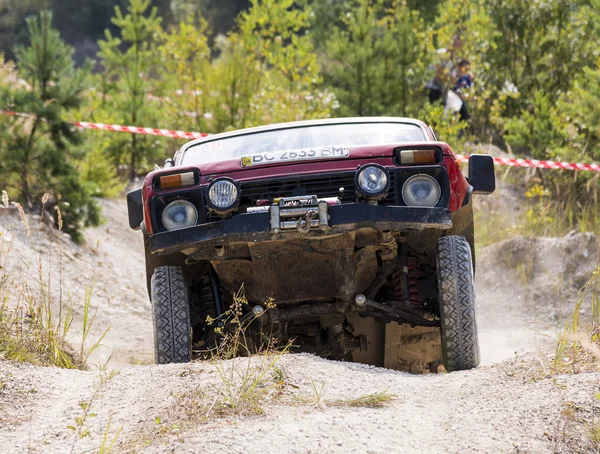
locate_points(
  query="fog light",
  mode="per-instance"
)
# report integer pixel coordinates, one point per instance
(223, 195)
(372, 181)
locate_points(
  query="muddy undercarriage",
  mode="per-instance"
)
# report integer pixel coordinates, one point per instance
(313, 291)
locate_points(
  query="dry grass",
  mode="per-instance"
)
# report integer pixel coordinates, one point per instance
(247, 374)
(578, 350)
(578, 428)
(538, 212)
(316, 399)
(248, 379)
(36, 317)
(108, 441)
(245, 360)
(537, 221)
(373, 400)
(578, 345)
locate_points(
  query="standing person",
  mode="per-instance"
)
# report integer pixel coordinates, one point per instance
(442, 81)
(464, 81)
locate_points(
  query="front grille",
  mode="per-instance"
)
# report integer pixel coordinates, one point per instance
(319, 185)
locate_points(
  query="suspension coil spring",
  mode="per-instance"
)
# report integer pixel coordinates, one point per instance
(412, 282)
(397, 283)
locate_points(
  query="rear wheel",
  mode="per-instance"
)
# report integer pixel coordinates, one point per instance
(171, 316)
(460, 343)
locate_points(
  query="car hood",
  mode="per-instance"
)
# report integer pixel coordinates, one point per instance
(362, 152)
(381, 154)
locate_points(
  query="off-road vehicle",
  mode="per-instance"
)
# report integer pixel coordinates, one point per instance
(335, 221)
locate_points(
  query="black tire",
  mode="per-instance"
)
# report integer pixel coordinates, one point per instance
(460, 343)
(171, 316)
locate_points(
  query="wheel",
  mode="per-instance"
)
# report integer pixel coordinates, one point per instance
(456, 296)
(171, 316)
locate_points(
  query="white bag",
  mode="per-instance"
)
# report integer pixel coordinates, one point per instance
(453, 102)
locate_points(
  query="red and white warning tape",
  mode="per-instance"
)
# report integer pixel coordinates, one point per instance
(518, 162)
(512, 162)
(140, 130)
(131, 129)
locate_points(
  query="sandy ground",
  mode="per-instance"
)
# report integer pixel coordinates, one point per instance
(110, 263)
(491, 409)
(120, 251)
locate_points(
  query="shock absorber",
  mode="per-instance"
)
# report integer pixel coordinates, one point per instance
(397, 284)
(405, 277)
(400, 276)
(412, 281)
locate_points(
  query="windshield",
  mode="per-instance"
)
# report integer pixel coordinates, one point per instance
(299, 138)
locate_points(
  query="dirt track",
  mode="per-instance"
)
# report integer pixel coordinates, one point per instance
(492, 409)
(485, 410)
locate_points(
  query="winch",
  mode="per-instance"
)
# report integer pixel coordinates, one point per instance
(301, 213)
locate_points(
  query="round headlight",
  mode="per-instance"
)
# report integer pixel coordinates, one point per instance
(223, 195)
(421, 191)
(179, 214)
(372, 181)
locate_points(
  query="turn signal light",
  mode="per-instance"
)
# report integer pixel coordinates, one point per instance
(418, 156)
(177, 180)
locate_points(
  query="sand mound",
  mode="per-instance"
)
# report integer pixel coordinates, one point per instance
(160, 409)
(535, 279)
(110, 263)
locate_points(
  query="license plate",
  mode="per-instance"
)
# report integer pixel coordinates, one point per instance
(271, 157)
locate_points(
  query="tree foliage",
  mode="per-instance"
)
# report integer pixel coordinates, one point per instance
(376, 60)
(281, 81)
(130, 61)
(212, 66)
(40, 152)
(545, 51)
(266, 71)
(221, 14)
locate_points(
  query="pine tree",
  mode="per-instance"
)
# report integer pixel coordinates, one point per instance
(377, 59)
(40, 151)
(267, 71)
(186, 69)
(355, 58)
(131, 61)
(274, 34)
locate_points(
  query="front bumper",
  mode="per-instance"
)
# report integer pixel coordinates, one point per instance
(255, 227)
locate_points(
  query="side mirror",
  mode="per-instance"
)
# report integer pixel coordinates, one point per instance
(135, 209)
(481, 174)
(169, 163)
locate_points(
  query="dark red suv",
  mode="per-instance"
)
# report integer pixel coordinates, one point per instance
(337, 221)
